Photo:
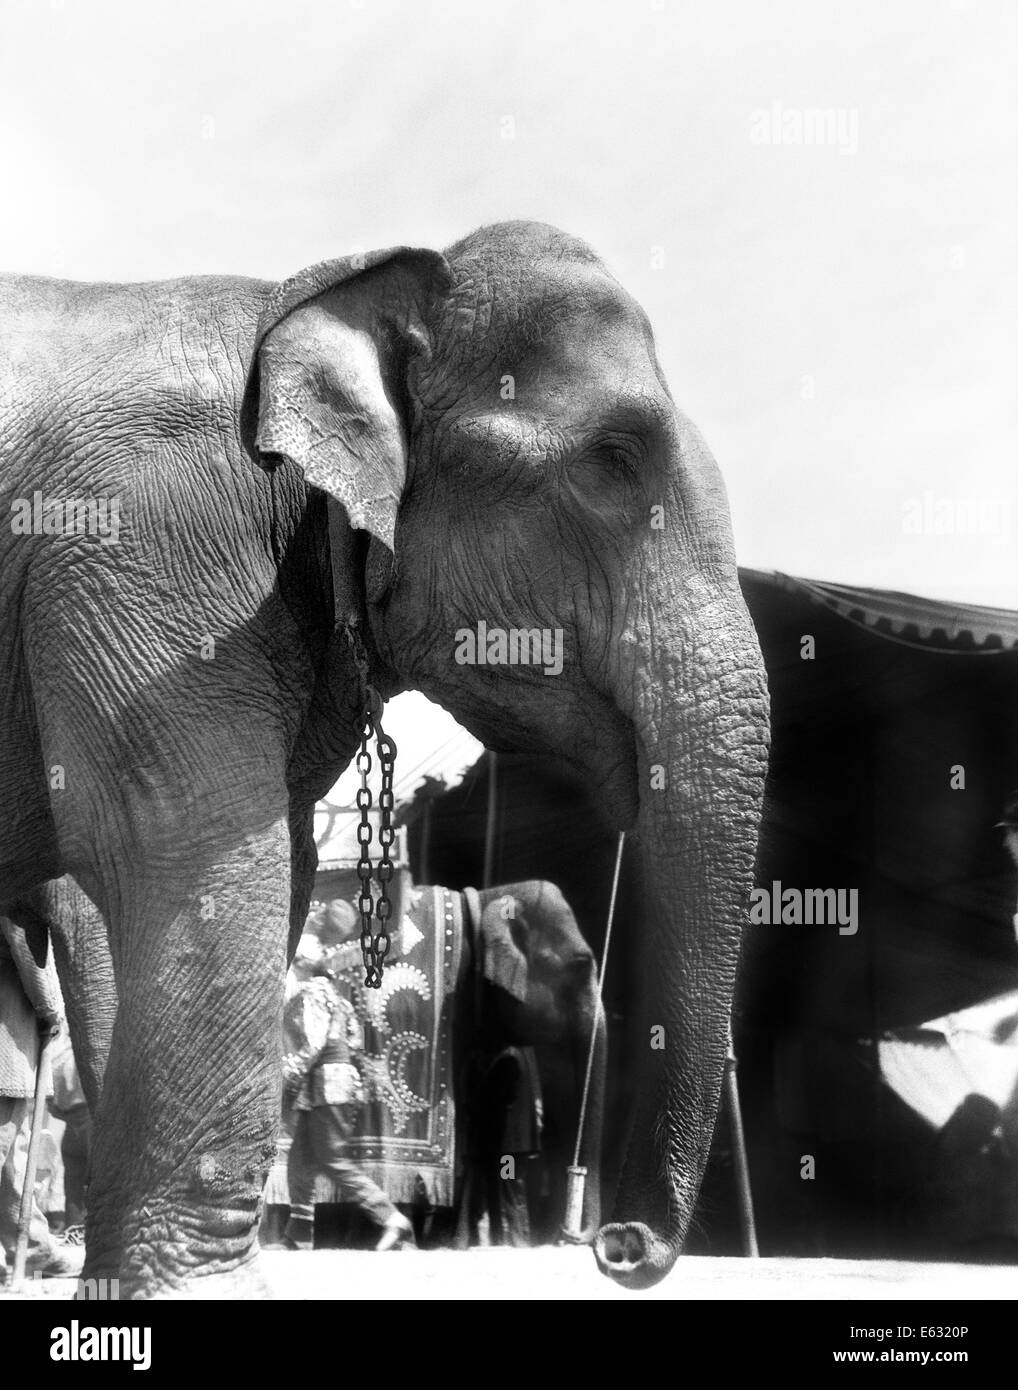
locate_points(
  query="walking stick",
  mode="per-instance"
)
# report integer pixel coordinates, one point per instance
(42, 1079)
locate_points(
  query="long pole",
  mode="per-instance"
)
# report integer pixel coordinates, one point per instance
(740, 1159)
(489, 829)
(576, 1182)
(42, 1080)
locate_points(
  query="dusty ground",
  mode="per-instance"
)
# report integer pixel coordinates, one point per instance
(553, 1274)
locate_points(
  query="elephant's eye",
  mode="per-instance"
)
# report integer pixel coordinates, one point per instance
(618, 458)
(608, 476)
(618, 451)
(620, 465)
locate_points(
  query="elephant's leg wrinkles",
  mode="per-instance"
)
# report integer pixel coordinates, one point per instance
(187, 1123)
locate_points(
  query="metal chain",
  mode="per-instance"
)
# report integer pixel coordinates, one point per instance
(386, 837)
(374, 947)
(365, 902)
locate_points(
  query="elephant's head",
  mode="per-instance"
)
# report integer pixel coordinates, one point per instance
(540, 990)
(542, 973)
(540, 541)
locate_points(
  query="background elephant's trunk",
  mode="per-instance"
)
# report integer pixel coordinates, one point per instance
(699, 712)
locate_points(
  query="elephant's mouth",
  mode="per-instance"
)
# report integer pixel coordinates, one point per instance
(599, 748)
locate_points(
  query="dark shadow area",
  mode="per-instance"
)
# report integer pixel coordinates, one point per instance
(900, 699)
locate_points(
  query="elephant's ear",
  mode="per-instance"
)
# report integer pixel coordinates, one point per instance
(331, 343)
(502, 961)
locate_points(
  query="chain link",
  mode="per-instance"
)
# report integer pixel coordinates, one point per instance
(374, 947)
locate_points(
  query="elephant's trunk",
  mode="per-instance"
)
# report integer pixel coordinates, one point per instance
(698, 708)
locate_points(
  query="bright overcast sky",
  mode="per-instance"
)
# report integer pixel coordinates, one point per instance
(840, 319)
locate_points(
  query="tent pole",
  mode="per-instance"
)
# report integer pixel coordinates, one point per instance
(489, 830)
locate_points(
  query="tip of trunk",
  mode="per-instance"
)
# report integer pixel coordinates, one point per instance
(631, 1254)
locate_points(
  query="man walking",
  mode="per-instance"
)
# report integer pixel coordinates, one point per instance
(323, 1086)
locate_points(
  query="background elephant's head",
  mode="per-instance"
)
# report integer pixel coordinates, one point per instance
(496, 427)
(540, 990)
(541, 972)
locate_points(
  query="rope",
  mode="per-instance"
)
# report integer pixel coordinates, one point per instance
(600, 1005)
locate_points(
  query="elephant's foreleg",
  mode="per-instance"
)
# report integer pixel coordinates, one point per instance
(186, 1128)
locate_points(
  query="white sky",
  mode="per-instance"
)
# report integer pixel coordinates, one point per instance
(146, 141)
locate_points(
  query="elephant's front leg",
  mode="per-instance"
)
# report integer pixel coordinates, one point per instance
(186, 1130)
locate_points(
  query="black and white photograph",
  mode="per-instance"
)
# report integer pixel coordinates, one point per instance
(509, 668)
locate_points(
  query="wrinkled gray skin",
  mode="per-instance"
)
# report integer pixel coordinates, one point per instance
(175, 778)
(537, 981)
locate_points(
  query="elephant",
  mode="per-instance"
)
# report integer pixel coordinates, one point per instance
(530, 981)
(241, 515)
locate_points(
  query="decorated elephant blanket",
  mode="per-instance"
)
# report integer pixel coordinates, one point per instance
(405, 1139)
